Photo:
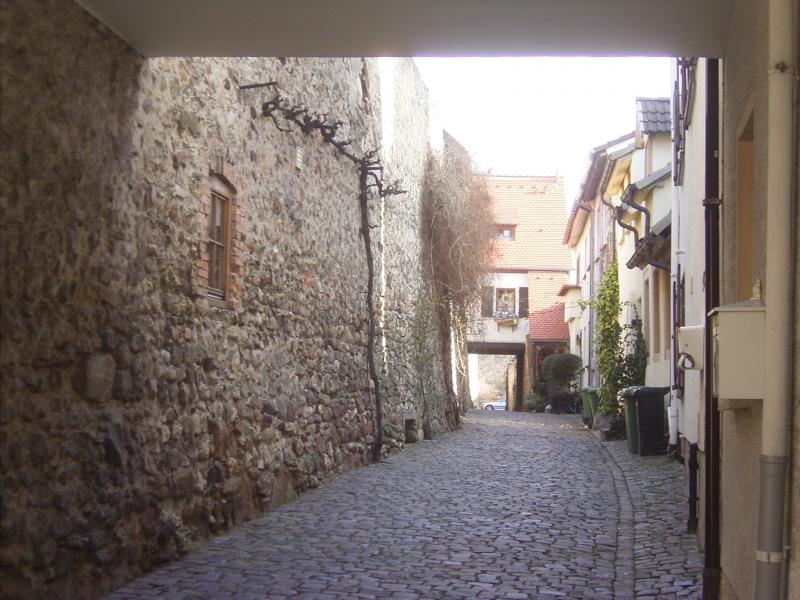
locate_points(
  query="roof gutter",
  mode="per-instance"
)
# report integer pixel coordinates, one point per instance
(645, 244)
(627, 199)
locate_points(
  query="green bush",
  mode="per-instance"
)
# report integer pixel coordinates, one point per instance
(561, 371)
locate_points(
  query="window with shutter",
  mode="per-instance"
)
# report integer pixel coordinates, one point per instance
(523, 302)
(505, 301)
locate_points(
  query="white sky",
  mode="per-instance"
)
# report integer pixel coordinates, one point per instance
(540, 116)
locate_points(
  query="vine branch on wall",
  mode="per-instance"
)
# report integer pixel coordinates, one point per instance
(370, 171)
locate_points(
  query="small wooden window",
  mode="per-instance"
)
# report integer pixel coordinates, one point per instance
(218, 246)
(218, 268)
(656, 314)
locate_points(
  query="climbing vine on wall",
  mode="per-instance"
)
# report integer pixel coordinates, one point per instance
(621, 353)
(631, 354)
(370, 170)
(607, 337)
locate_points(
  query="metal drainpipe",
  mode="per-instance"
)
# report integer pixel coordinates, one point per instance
(592, 233)
(674, 283)
(630, 202)
(691, 524)
(631, 228)
(712, 420)
(590, 341)
(776, 412)
(628, 199)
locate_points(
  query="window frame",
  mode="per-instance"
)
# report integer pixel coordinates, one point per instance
(220, 190)
(215, 246)
(497, 292)
(656, 316)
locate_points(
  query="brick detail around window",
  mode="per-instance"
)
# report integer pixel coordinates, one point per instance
(221, 173)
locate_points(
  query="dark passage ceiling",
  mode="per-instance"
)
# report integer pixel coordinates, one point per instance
(418, 27)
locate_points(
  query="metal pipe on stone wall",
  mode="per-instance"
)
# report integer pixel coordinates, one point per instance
(776, 415)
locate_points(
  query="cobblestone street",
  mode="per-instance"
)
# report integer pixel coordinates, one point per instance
(511, 506)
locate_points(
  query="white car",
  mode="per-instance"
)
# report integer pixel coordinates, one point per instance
(499, 404)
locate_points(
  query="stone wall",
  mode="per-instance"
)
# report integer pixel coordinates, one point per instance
(138, 416)
(493, 376)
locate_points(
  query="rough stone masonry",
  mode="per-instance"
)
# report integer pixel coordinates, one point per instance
(137, 415)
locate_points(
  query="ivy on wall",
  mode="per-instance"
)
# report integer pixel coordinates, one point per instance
(621, 353)
(607, 337)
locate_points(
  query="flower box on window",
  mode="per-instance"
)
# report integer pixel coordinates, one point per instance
(506, 319)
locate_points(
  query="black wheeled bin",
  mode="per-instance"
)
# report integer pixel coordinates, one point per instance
(649, 418)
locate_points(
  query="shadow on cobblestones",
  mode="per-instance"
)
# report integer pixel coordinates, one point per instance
(511, 506)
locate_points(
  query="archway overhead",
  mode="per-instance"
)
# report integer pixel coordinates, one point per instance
(418, 27)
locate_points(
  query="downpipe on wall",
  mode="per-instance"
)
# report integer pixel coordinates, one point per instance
(711, 425)
(779, 272)
(675, 268)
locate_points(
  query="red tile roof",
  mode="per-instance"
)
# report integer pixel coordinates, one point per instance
(546, 321)
(549, 325)
(598, 158)
(540, 209)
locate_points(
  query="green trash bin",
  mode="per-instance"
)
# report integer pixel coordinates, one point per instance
(589, 402)
(586, 409)
(631, 424)
(644, 419)
(594, 400)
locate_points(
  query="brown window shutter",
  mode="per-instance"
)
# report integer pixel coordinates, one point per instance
(487, 301)
(523, 302)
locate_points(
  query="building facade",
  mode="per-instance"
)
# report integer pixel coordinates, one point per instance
(530, 265)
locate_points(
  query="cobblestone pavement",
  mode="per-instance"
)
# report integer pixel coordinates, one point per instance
(512, 506)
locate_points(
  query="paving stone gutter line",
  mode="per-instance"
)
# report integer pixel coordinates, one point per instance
(625, 566)
(654, 552)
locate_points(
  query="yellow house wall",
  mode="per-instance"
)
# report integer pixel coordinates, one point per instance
(744, 85)
(794, 507)
(690, 238)
(794, 530)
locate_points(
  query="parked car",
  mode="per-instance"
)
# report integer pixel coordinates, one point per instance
(499, 404)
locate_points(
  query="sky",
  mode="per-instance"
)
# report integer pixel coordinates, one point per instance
(540, 116)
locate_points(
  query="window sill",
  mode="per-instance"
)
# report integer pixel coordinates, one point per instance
(218, 303)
